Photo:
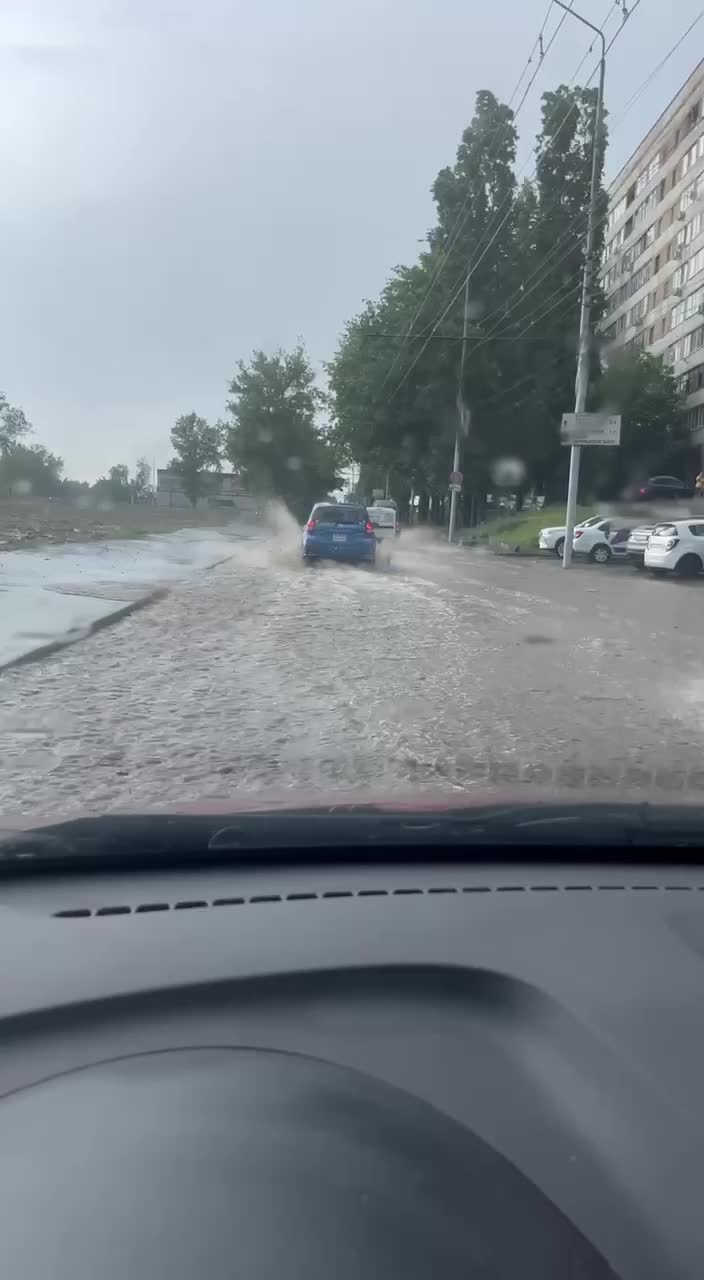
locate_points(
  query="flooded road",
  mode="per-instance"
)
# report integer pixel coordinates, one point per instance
(448, 671)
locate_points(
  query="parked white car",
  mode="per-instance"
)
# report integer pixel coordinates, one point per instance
(602, 542)
(637, 543)
(676, 547)
(553, 538)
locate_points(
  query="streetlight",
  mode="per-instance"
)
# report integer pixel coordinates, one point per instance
(582, 378)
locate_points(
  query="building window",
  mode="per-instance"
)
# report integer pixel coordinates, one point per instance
(616, 213)
(693, 303)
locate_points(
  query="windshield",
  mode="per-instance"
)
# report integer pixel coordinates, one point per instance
(339, 515)
(305, 393)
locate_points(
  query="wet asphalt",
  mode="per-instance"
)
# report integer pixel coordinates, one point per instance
(451, 670)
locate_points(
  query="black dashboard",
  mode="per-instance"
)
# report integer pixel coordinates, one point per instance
(448, 1070)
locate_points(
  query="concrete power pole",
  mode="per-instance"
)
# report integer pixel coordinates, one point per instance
(582, 378)
(462, 412)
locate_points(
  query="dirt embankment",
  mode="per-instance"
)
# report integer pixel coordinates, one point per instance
(31, 522)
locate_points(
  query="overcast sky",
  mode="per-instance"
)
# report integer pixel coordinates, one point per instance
(186, 180)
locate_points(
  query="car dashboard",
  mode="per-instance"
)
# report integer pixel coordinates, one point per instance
(386, 1070)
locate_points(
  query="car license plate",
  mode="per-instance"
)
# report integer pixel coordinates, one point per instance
(339, 537)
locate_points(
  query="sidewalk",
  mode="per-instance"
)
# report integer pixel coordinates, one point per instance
(56, 595)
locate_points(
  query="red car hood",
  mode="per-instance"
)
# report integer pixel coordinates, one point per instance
(428, 801)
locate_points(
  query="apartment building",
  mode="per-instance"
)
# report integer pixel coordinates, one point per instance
(652, 268)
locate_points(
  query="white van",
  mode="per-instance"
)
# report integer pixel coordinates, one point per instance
(384, 522)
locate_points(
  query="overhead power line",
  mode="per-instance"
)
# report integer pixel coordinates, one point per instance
(641, 88)
(509, 199)
(461, 218)
(619, 118)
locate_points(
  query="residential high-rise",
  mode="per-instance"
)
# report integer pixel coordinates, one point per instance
(653, 261)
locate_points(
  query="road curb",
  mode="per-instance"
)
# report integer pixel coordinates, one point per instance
(109, 619)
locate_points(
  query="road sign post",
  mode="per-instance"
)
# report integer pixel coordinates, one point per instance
(580, 429)
(591, 428)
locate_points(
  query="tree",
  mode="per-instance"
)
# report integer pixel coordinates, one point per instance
(274, 436)
(644, 391)
(13, 424)
(141, 481)
(115, 487)
(395, 375)
(198, 448)
(552, 226)
(394, 378)
(30, 469)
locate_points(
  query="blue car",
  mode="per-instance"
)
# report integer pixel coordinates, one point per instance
(339, 531)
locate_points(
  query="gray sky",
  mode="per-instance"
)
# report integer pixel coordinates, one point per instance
(184, 181)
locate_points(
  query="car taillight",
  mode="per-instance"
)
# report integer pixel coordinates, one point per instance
(578, 533)
(312, 524)
(642, 492)
(671, 543)
(369, 527)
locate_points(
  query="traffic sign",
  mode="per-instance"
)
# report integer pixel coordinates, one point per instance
(591, 428)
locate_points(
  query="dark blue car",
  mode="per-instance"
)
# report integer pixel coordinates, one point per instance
(339, 531)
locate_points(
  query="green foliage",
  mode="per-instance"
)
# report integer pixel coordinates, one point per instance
(644, 391)
(115, 487)
(13, 425)
(198, 448)
(395, 388)
(141, 481)
(274, 437)
(30, 470)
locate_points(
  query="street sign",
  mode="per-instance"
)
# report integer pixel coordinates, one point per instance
(591, 428)
(456, 479)
(378, 493)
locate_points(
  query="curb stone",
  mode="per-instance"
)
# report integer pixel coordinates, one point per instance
(109, 620)
(64, 642)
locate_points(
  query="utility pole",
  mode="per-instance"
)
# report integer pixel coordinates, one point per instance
(461, 410)
(582, 378)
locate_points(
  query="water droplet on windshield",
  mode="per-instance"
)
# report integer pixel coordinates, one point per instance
(507, 472)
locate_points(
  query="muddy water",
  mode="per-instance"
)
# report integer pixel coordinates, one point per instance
(266, 674)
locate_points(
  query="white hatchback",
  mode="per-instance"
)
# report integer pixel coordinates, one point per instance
(676, 547)
(385, 523)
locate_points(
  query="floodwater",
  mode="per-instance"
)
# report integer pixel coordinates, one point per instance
(448, 670)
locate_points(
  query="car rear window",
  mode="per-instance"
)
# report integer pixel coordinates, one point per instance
(340, 515)
(384, 516)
